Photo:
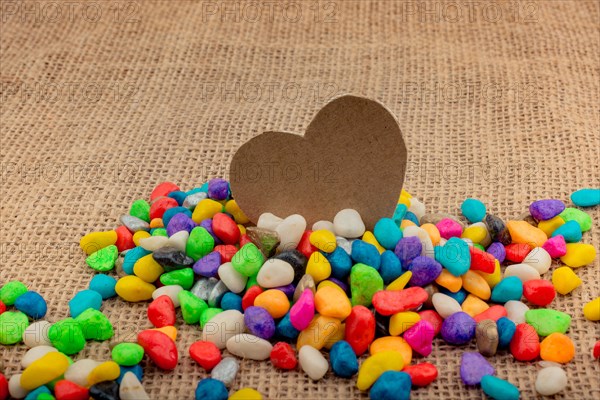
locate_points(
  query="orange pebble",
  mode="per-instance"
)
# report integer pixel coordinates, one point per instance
(168, 330)
(321, 331)
(157, 223)
(475, 284)
(433, 232)
(407, 222)
(449, 281)
(473, 305)
(524, 233)
(274, 301)
(557, 347)
(392, 343)
(331, 301)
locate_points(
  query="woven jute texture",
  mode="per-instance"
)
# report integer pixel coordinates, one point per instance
(101, 100)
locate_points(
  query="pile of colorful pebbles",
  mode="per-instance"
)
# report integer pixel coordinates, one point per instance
(287, 293)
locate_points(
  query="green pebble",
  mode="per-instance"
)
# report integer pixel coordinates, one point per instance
(581, 217)
(66, 335)
(546, 321)
(95, 325)
(208, 314)
(183, 277)
(364, 282)
(12, 326)
(199, 244)
(252, 281)
(248, 260)
(159, 232)
(10, 292)
(141, 209)
(104, 259)
(480, 247)
(191, 306)
(45, 396)
(127, 354)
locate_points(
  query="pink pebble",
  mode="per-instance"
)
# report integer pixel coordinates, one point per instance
(420, 336)
(449, 228)
(303, 311)
(556, 246)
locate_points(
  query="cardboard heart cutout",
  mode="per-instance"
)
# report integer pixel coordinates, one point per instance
(351, 156)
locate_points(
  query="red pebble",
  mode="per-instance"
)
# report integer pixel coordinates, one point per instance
(163, 189)
(596, 351)
(2, 307)
(283, 356)
(250, 295)
(388, 302)
(159, 347)
(124, 239)
(433, 318)
(226, 251)
(482, 261)
(494, 313)
(304, 246)
(525, 344)
(245, 239)
(67, 390)
(421, 374)
(225, 228)
(161, 312)
(539, 292)
(207, 354)
(3, 387)
(516, 252)
(158, 208)
(360, 329)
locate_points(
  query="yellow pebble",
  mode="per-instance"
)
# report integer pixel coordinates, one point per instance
(473, 305)
(400, 282)
(328, 283)
(549, 226)
(147, 269)
(395, 343)
(433, 232)
(321, 330)
(318, 267)
(579, 254)
(242, 229)
(274, 301)
(95, 241)
(338, 335)
(565, 280)
(377, 364)
(133, 289)
(246, 394)
(405, 223)
(405, 193)
(107, 371)
(523, 232)
(493, 278)
(323, 240)
(449, 281)
(170, 331)
(157, 223)
(401, 321)
(475, 233)
(332, 301)
(232, 208)
(369, 237)
(43, 370)
(140, 235)
(592, 310)
(206, 209)
(474, 283)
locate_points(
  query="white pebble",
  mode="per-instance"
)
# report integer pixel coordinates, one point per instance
(170, 290)
(348, 223)
(327, 225)
(550, 381)
(35, 353)
(442, 242)
(312, 362)
(78, 371)
(226, 370)
(154, 243)
(274, 273)
(223, 326)
(36, 334)
(426, 244)
(14, 387)
(539, 259)
(131, 388)
(179, 240)
(416, 207)
(344, 243)
(234, 281)
(268, 221)
(524, 272)
(516, 310)
(249, 346)
(546, 364)
(290, 232)
(468, 241)
(445, 305)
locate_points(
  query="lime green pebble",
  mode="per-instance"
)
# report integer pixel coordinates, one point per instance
(183, 277)
(252, 281)
(248, 260)
(12, 326)
(546, 321)
(191, 306)
(127, 354)
(141, 209)
(45, 396)
(581, 217)
(159, 232)
(480, 247)
(66, 335)
(95, 325)
(364, 282)
(200, 243)
(103, 259)
(10, 292)
(208, 314)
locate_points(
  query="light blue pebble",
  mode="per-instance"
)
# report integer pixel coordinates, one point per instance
(131, 258)
(178, 195)
(32, 304)
(137, 370)
(509, 288)
(506, 330)
(343, 359)
(211, 389)
(391, 385)
(459, 296)
(341, 263)
(586, 197)
(399, 213)
(83, 300)
(366, 253)
(387, 233)
(454, 256)
(105, 285)
(390, 267)
(231, 301)
(473, 209)
(286, 329)
(172, 211)
(570, 230)
(499, 389)
(412, 217)
(33, 395)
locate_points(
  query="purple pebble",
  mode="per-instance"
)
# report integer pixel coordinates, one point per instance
(543, 210)
(218, 189)
(458, 328)
(288, 290)
(341, 284)
(407, 249)
(498, 251)
(180, 222)
(473, 367)
(259, 322)
(208, 265)
(207, 224)
(424, 271)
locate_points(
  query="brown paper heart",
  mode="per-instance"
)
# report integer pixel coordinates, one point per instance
(351, 156)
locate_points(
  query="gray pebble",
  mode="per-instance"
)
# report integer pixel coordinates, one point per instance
(216, 294)
(306, 282)
(134, 224)
(192, 200)
(226, 370)
(203, 287)
(486, 335)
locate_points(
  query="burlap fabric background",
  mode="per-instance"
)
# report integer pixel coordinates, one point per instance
(101, 100)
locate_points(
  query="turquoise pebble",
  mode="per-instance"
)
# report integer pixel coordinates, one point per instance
(473, 209)
(83, 300)
(231, 301)
(499, 389)
(131, 258)
(170, 213)
(137, 370)
(341, 263)
(506, 330)
(454, 256)
(365, 253)
(390, 267)
(203, 189)
(286, 329)
(178, 195)
(104, 284)
(391, 385)
(33, 395)
(412, 217)
(343, 359)
(399, 213)
(570, 230)
(509, 288)
(387, 233)
(211, 389)
(32, 304)
(586, 197)
(459, 296)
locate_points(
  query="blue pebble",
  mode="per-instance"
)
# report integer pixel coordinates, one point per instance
(455, 256)
(499, 389)
(211, 389)
(424, 271)
(32, 304)
(131, 258)
(506, 330)
(105, 285)
(407, 249)
(286, 329)
(172, 212)
(387, 233)
(390, 267)
(570, 230)
(83, 300)
(586, 197)
(458, 328)
(178, 195)
(399, 214)
(391, 385)
(33, 395)
(473, 209)
(497, 250)
(137, 370)
(509, 288)
(459, 296)
(366, 253)
(232, 301)
(341, 263)
(343, 359)
(412, 217)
